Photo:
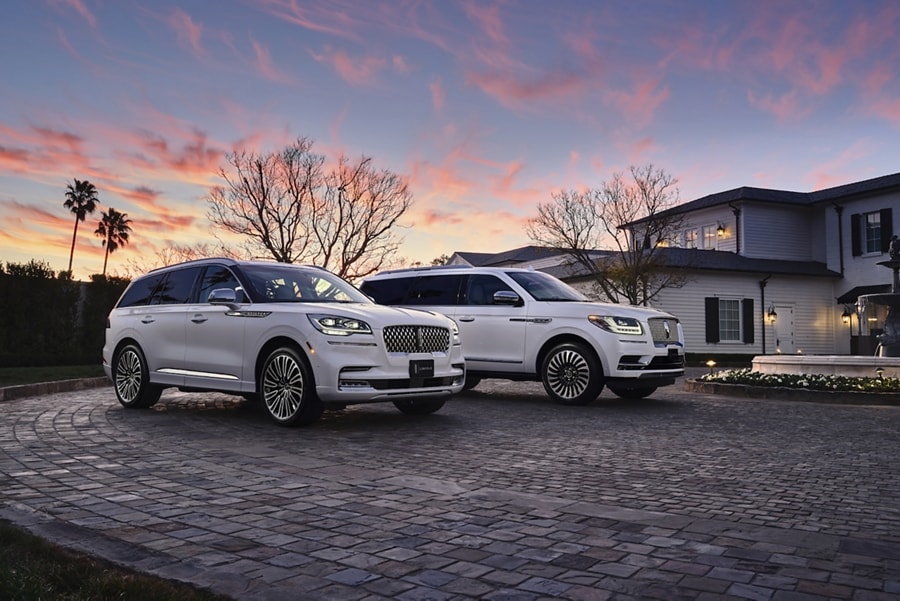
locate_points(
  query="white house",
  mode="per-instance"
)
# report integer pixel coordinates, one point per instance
(770, 271)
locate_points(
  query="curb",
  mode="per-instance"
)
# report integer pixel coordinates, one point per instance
(10, 393)
(776, 393)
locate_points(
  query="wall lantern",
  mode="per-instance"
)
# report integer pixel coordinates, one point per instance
(772, 315)
(720, 229)
(845, 316)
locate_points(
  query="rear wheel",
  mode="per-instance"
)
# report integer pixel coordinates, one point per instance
(287, 390)
(416, 407)
(571, 374)
(131, 379)
(631, 392)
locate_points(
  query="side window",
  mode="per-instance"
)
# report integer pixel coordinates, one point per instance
(176, 289)
(391, 291)
(217, 277)
(870, 233)
(435, 290)
(140, 292)
(481, 289)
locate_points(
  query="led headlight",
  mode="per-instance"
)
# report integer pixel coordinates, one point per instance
(617, 325)
(334, 325)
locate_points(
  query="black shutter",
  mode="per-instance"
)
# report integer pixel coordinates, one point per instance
(712, 319)
(747, 320)
(855, 232)
(887, 229)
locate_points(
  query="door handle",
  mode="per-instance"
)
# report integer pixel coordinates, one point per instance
(199, 318)
(467, 319)
(148, 319)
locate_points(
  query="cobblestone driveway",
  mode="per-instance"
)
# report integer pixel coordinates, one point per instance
(500, 495)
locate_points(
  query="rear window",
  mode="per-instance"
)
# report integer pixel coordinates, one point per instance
(177, 287)
(140, 292)
(387, 291)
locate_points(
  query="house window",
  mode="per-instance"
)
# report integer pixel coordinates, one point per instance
(729, 320)
(690, 238)
(870, 233)
(710, 236)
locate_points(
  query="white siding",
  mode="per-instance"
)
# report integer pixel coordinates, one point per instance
(810, 298)
(773, 231)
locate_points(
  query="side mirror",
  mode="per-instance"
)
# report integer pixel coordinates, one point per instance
(507, 297)
(222, 296)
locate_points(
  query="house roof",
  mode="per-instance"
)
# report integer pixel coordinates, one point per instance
(716, 260)
(849, 297)
(884, 183)
(522, 254)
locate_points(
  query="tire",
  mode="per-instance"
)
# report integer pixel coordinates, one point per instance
(632, 392)
(471, 382)
(131, 379)
(571, 374)
(414, 407)
(287, 389)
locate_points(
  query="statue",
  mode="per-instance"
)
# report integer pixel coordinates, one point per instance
(894, 248)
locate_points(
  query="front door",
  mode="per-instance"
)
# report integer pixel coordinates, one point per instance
(784, 330)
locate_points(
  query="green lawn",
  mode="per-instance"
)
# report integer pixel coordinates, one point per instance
(32, 569)
(13, 376)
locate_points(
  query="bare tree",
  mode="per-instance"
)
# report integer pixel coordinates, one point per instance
(289, 207)
(617, 233)
(178, 253)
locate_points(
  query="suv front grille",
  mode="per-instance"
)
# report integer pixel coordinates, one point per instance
(416, 339)
(664, 330)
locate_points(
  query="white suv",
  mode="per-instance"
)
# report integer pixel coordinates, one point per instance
(297, 338)
(521, 324)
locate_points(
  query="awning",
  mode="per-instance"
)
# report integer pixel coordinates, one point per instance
(849, 297)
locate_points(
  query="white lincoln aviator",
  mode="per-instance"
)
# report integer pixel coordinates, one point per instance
(297, 338)
(522, 324)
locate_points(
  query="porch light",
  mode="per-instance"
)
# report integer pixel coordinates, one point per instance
(720, 229)
(845, 316)
(772, 315)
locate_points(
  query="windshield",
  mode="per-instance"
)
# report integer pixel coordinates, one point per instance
(284, 283)
(544, 287)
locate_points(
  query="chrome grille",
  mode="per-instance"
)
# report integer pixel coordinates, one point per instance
(416, 339)
(664, 329)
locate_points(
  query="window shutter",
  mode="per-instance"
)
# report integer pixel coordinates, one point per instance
(855, 233)
(747, 320)
(887, 229)
(712, 319)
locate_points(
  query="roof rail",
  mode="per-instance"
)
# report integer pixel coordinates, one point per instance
(426, 268)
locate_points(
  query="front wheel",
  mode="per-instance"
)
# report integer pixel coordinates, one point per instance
(131, 379)
(287, 389)
(571, 374)
(632, 392)
(414, 407)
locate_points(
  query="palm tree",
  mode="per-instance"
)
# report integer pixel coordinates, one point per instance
(81, 199)
(114, 229)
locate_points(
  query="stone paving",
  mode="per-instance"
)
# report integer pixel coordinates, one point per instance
(499, 496)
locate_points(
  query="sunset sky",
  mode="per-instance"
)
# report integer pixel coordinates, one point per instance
(486, 107)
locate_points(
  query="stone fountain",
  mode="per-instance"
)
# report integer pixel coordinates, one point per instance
(882, 311)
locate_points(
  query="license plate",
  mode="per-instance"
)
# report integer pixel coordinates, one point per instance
(421, 368)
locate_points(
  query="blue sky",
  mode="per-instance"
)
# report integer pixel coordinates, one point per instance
(486, 107)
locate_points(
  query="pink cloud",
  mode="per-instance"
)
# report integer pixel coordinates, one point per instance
(266, 66)
(357, 71)
(79, 7)
(438, 94)
(640, 104)
(785, 107)
(512, 92)
(188, 32)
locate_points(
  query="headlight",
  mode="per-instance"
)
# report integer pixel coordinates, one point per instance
(617, 325)
(333, 325)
